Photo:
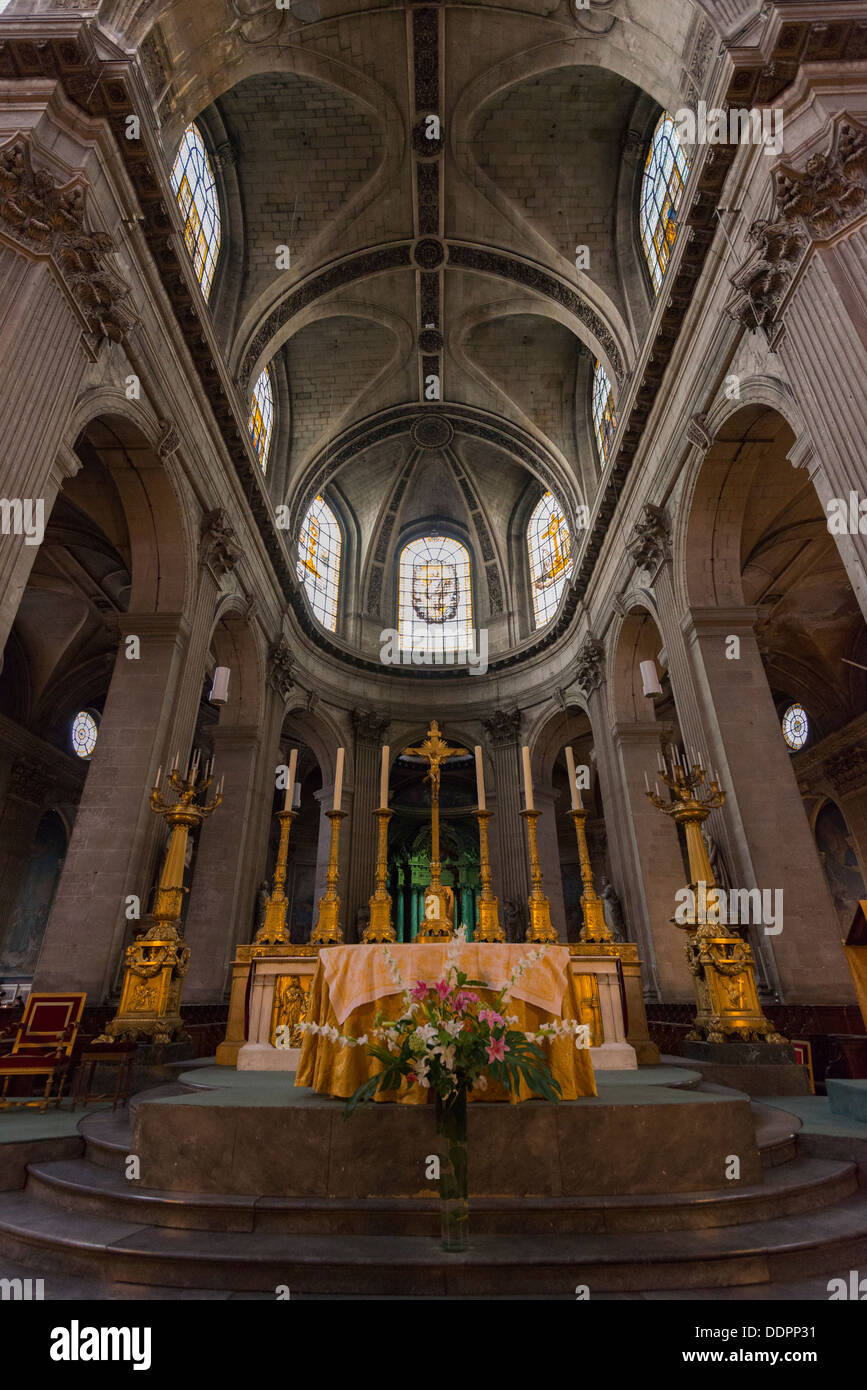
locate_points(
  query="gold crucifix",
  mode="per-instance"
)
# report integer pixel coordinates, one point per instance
(437, 899)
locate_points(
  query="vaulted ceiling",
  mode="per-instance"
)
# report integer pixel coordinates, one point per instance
(412, 258)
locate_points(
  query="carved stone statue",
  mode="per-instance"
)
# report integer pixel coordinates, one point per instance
(613, 909)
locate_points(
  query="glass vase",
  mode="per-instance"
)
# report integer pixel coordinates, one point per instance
(451, 1123)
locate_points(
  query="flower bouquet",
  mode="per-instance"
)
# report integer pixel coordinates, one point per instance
(448, 1041)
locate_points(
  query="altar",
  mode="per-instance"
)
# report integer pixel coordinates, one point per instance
(354, 984)
(272, 989)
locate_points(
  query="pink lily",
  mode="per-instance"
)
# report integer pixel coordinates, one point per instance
(497, 1050)
(443, 990)
(491, 1017)
(418, 991)
(464, 997)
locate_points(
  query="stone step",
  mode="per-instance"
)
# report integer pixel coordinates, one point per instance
(79, 1186)
(496, 1265)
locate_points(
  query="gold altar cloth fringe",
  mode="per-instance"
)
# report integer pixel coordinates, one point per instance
(336, 1070)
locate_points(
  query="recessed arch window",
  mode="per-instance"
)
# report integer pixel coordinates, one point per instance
(435, 601)
(604, 419)
(796, 726)
(319, 549)
(196, 192)
(262, 416)
(665, 174)
(84, 734)
(550, 547)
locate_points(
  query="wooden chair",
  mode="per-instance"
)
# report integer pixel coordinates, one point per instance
(43, 1045)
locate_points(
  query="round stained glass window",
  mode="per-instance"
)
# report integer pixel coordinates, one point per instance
(84, 734)
(796, 726)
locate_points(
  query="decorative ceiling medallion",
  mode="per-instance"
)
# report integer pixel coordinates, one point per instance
(429, 340)
(432, 432)
(428, 253)
(425, 146)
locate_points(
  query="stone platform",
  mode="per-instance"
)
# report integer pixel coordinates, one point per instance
(262, 1135)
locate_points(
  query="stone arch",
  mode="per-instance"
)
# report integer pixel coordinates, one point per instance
(237, 643)
(638, 638)
(160, 527)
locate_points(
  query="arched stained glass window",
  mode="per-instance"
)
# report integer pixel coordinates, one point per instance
(550, 547)
(604, 419)
(319, 561)
(262, 416)
(796, 727)
(664, 177)
(196, 192)
(435, 603)
(84, 734)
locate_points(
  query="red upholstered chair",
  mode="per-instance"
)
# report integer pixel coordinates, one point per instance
(43, 1045)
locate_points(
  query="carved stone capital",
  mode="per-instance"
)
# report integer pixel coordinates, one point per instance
(219, 547)
(27, 780)
(848, 771)
(503, 727)
(650, 541)
(49, 217)
(590, 665)
(369, 726)
(281, 664)
(810, 205)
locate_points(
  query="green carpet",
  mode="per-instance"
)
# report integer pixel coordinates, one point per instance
(816, 1115)
(17, 1126)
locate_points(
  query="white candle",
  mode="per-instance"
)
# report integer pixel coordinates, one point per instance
(528, 781)
(158, 776)
(656, 789)
(383, 778)
(290, 779)
(573, 781)
(338, 780)
(660, 762)
(296, 796)
(220, 787)
(176, 761)
(480, 779)
(646, 781)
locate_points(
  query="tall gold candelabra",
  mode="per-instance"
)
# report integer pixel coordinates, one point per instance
(157, 961)
(540, 928)
(720, 963)
(488, 928)
(380, 928)
(327, 930)
(594, 927)
(273, 929)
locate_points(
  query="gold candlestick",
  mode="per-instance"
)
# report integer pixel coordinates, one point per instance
(488, 928)
(157, 961)
(720, 962)
(379, 927)
(327, 930)
(273, 929)
(540, 928)
(594, 928)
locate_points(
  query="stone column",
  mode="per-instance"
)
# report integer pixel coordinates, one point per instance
(19, 821)
(549, 856)
(509, 863)
(765, 805)
(114, 821)
(657, 850)
(847, 773)
(362, 834)
(217, 900)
